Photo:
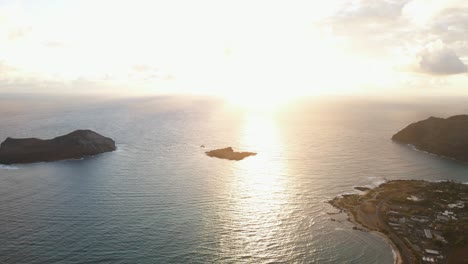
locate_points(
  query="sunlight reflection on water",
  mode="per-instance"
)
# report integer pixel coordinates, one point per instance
(160, 199)
(259, 197)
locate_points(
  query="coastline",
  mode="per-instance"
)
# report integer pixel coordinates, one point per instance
(397, 259)
(413, 147)
(388, 211)
(365, 212)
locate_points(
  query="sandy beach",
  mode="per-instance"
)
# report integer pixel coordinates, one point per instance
(396, 252)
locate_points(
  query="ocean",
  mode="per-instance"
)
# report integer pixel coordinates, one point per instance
(160, 199)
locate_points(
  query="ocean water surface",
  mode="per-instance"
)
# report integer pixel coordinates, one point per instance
(159, 199)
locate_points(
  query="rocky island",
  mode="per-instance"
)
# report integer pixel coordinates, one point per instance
(229, 154)
(75, 145)
(426, 222)
(445, 137)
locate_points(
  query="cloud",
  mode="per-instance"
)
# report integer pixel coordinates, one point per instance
(54, 44)
(144, 72)
(441, 61)
(142, 68)
(7, 70)
(386, 29)
(370, 27)
(370, 9)
(422, 12)
(361, 41)
(451, 26)
(18, 33)
(35, 84)
(149, 72)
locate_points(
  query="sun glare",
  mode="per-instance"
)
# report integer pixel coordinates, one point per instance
(291, 57)
(258, 192)
(259, 102)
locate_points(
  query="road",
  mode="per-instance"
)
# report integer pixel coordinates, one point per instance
(405, 252)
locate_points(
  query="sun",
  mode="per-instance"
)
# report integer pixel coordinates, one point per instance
(258, 100)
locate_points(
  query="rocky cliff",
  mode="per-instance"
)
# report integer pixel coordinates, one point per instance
(446, 137)
(75, 145)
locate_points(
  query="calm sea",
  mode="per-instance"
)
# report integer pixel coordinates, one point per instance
(159, 199)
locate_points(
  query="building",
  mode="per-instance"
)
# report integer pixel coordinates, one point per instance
(433, 252)
(428, 234)
(421, 219)
(428, 259)
(442, 218)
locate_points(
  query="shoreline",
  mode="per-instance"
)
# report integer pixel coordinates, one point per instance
(397, 259)
(389, 212)
(365, 212)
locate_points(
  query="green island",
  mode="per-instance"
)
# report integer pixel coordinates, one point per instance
(425, 222)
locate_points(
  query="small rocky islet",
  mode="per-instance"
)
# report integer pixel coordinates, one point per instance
(229, 154)
(75, 145)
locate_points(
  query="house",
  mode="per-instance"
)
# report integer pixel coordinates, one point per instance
(442, 218)
(421, 219)
(428, 234)
(428, 259)
(433, 252)
(440, 237)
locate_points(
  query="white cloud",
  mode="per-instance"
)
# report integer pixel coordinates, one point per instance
(54, 44)
(441, 61)
(451, 26)
(421, 12)
(406, 31)
(370, 27)
(210, 44)
(18, 33)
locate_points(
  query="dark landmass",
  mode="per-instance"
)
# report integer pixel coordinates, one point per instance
(426, 222)
(445, 137)
(229, 153)
(75, 145)
(362, 189)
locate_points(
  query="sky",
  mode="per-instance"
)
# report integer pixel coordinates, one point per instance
(244, 50)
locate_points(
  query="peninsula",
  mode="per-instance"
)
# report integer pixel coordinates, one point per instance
(229, 154)
(426, 222)
(75, 145)
(445, 137)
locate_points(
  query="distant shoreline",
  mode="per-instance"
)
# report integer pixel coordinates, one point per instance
(434, 134)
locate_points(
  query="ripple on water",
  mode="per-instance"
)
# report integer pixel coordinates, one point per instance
(159, 199)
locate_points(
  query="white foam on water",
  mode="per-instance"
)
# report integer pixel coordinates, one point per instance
(119, 148)
(438, 180)
(8, 167)
(376, 181)
(395, 259)
(433, 154)
(340, 195)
